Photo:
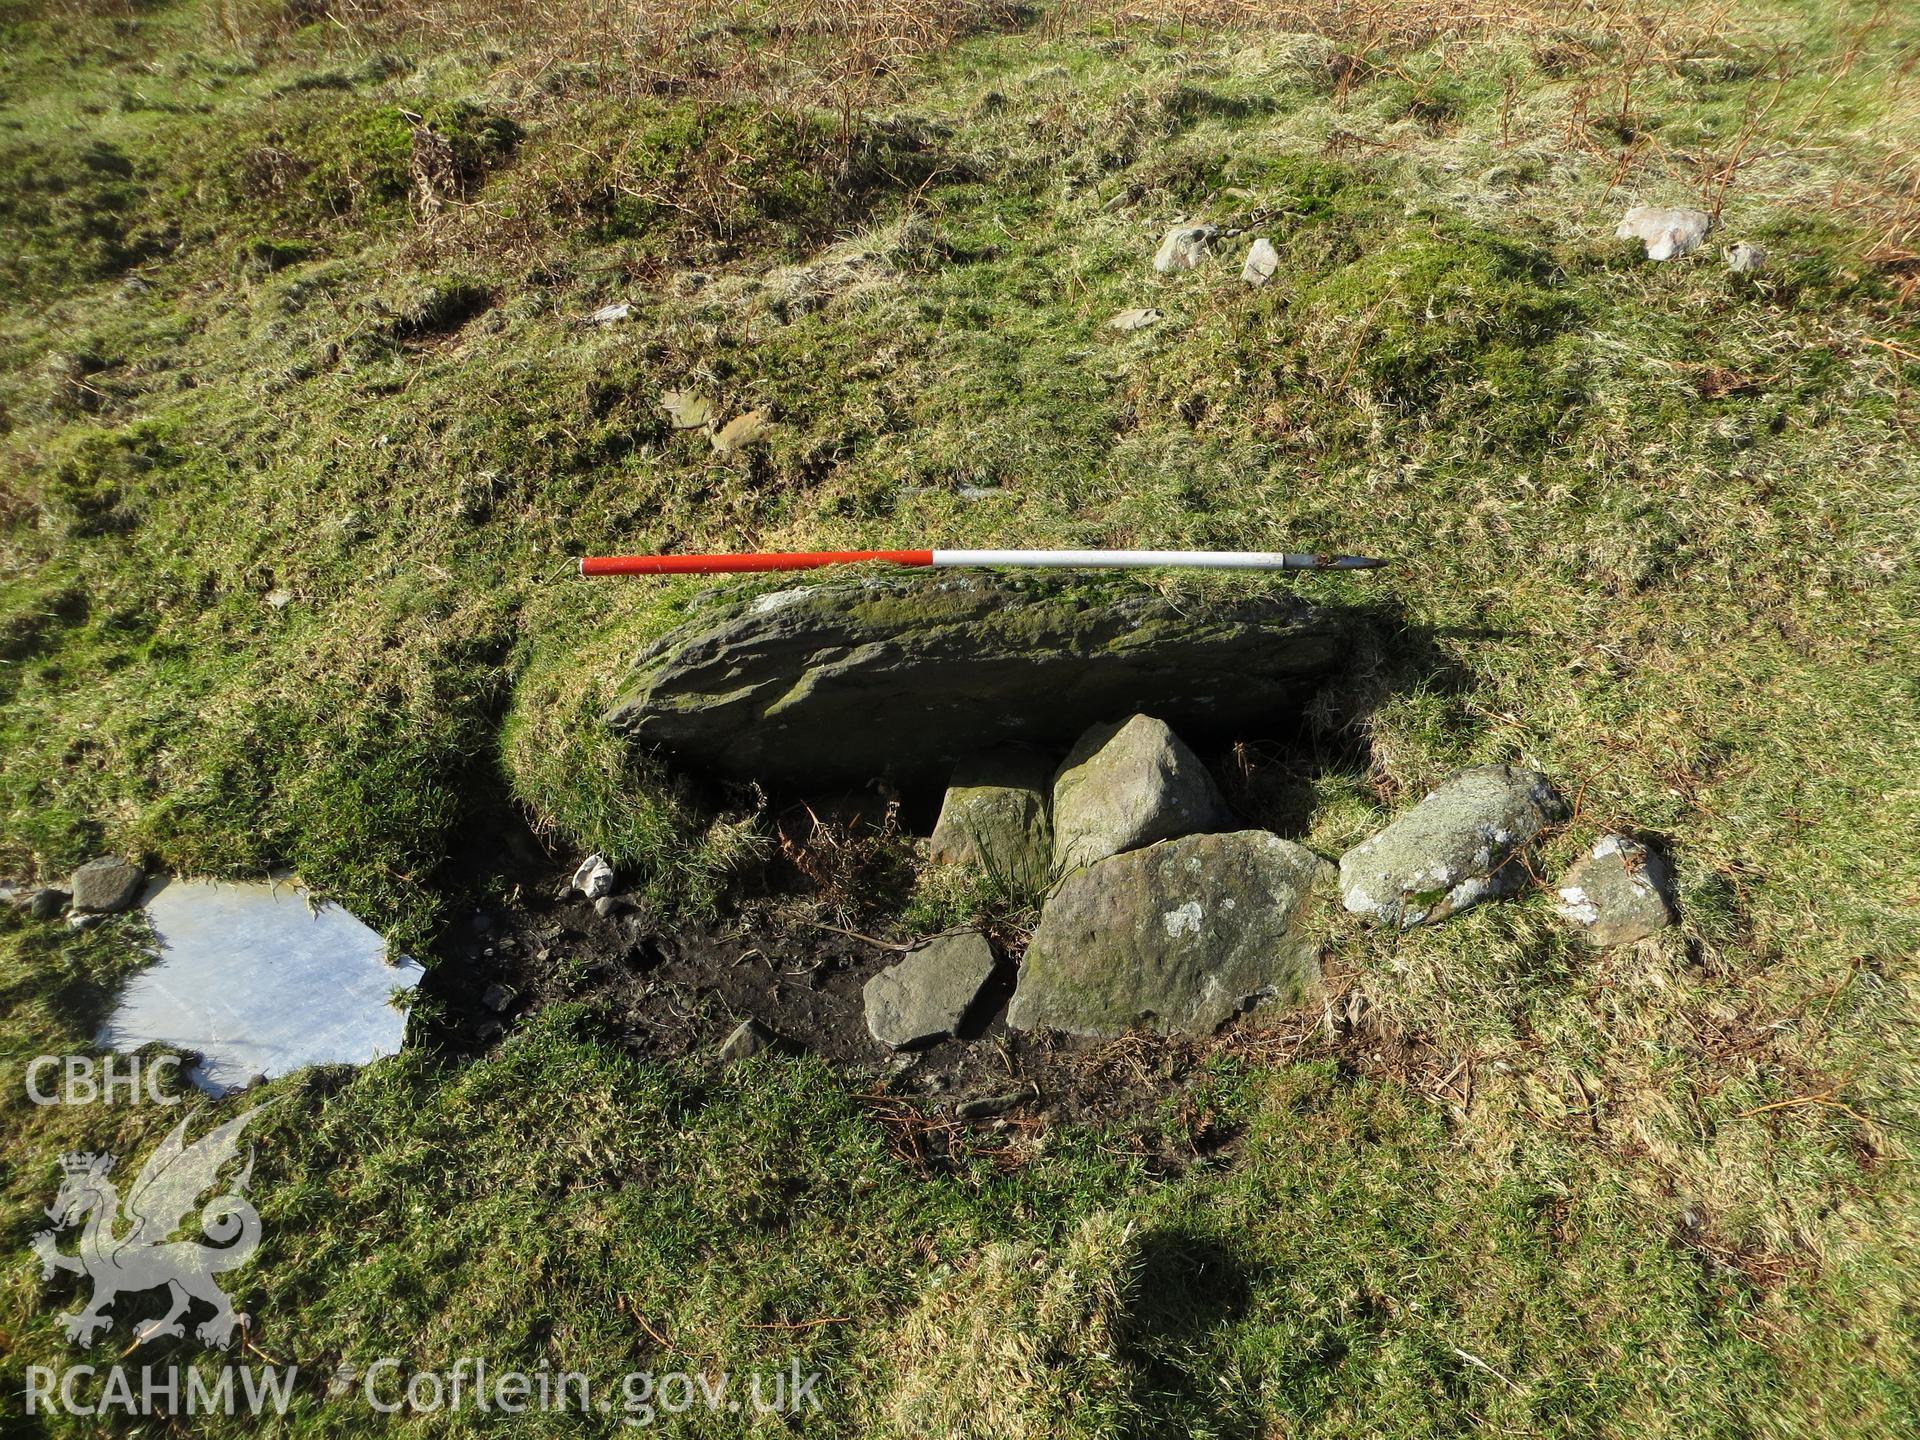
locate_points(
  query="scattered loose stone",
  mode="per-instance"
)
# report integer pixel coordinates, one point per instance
(279, 599)
(1136, 319)
(1175, 938)
(1617, 894)
(496, 997)
(106, 886)
(1668, 232)
(995, 817)
(1452, 849)
(1127, 785)
(985, 1107)
(46, 903)
(749, 1037)
(686, 409)
(1745, 259)
(607, 906)
(594, 878)
(927, 995)
(1184, 248)
(741, 431)
(611, 314)
(1263, 261)
(837, 682)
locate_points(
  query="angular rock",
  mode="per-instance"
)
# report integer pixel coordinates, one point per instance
(611, 314)
(749, 1037)
(927, 995)
(1669, 232)
(1135, 319)
(1451, 850)
(996, 818)
(1185, 247)
(1745, 259)
(1127, 785)
(1618, 893)
(45, 903)
(836, 683)
(594, 879)
(1176, 938)
(106, 886)
(1263, 262)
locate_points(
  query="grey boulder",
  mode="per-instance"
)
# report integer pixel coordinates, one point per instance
(1452, 850)
(995, 817)
(1185, 247)
(1668, 231)
(1126, 785)
(1176, 938)
(1617, 893)
(106, 886)
(926, 996)
(840, 682)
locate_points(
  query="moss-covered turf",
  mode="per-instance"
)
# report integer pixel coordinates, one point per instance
(302, 423)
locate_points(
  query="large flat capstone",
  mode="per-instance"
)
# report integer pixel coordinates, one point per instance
(843, 681)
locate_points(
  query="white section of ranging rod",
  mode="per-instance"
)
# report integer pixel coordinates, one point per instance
(1143, 559)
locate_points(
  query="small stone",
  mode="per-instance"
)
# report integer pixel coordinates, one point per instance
(1745, 259)
(106, 886)
(607, 906)
(258, 1078)
(927, 995)
(985, 1107)
(749, 1037)
(1127, 785)
(1669, 232)
(279, 599)
(85, 919)
(45, 903)
(1263, 262)
(1184, 247)
(686, 409)
(741, 431)
(995, 817)
(594, 878)
(496, 998)
(1138, 318)
(611, 314)
(1617, 894)
(1454, 849)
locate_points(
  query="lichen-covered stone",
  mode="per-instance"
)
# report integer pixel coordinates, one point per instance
(1263, 262)
(996, 817)
(1126, 785)
(1617, 893)
(1184, 247)
(1668, 231)
(926, 996)
(1175, 938)
(843, 681)
(106, 886)
(1454, 849)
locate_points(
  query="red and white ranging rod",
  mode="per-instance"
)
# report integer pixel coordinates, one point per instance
(957, 559)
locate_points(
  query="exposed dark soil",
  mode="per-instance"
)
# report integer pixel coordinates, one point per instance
(679, 992)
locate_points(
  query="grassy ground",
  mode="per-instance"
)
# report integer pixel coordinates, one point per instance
(302, 425)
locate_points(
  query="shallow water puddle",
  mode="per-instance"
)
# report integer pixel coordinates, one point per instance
(260, 984)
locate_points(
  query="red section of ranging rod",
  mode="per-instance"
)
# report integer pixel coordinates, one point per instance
(728, 564)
